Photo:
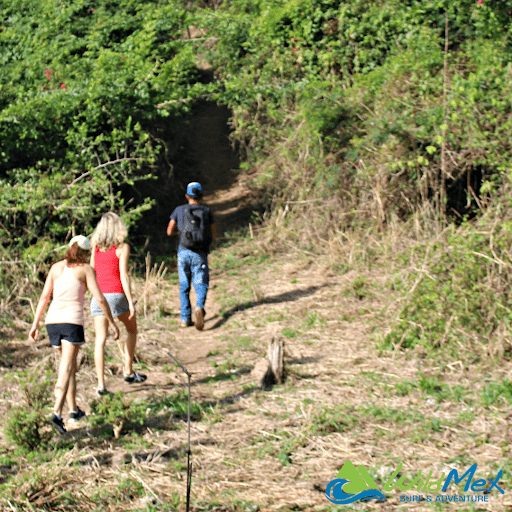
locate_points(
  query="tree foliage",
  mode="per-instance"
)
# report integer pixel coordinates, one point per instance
(368, 80)
(382, 112)
(84, 89)
(80, 85)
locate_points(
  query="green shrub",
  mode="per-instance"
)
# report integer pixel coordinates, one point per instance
(177, 404)
(26, 429)
(113, 410)
(26, 425)
(495, 392)
(456, 295)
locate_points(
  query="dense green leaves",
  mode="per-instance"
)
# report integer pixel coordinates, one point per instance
(368, 79)
(80, 88)
(85, 89)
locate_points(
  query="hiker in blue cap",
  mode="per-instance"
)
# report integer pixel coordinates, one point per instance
(194, 222)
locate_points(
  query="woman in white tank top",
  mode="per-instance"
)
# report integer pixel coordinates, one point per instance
(68, 281)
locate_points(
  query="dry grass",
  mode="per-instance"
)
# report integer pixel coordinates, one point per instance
(275, 450)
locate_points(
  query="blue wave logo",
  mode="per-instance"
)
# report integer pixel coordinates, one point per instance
(334, 493)
(358, 483)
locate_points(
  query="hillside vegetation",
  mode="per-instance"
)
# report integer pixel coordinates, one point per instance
(378, 124)
(374, 141)
(371, 118)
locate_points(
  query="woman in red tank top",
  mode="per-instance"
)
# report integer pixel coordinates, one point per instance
(109, 257)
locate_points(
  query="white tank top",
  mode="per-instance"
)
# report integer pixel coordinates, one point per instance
(67, 306)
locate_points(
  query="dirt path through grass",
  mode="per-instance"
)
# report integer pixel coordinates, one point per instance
(342, 400)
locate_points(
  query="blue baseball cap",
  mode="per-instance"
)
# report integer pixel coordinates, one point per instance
(194, 190)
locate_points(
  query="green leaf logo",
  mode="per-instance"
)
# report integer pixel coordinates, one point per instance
(358, 478)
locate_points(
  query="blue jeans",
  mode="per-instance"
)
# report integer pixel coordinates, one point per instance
(192, 267)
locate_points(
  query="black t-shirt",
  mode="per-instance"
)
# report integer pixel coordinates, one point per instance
(177, 216)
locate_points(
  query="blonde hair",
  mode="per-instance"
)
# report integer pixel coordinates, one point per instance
(110, 231)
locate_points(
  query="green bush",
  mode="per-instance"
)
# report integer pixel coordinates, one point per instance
(457, 299)
(343, 102)
(81, 94)
(113, 410)
(27, 425)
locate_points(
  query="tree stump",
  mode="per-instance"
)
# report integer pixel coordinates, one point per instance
(270, 370)
(275, 357)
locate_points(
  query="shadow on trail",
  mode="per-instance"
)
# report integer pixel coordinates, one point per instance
(197, 148)
(230, 399)
(162, 454)
(276, 299)
(204, 404)
(304, 360)
(224, 376)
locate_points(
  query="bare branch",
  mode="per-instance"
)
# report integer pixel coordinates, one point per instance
(113, 162)
(170, 102)
(76, 180)
(182, 100)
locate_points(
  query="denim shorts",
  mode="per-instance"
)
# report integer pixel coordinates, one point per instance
(117, 301)
(71, 333)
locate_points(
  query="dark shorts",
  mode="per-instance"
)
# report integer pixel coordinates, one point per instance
(71, 333)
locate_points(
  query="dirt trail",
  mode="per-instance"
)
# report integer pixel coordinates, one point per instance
(278, 449)
(227, 461)
(216, 167)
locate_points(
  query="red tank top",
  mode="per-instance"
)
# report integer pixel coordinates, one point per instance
(108, 274)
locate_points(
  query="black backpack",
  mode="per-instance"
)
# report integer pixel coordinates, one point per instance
(196, 231)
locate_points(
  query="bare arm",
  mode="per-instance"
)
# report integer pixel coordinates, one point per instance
(93, 287)
(172, 227)
(46, 295)
(93, 252)
(125, 277)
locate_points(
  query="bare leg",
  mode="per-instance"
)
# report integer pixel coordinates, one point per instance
(131, 342)
(71, 394)
(66, 368)
(101, 330)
